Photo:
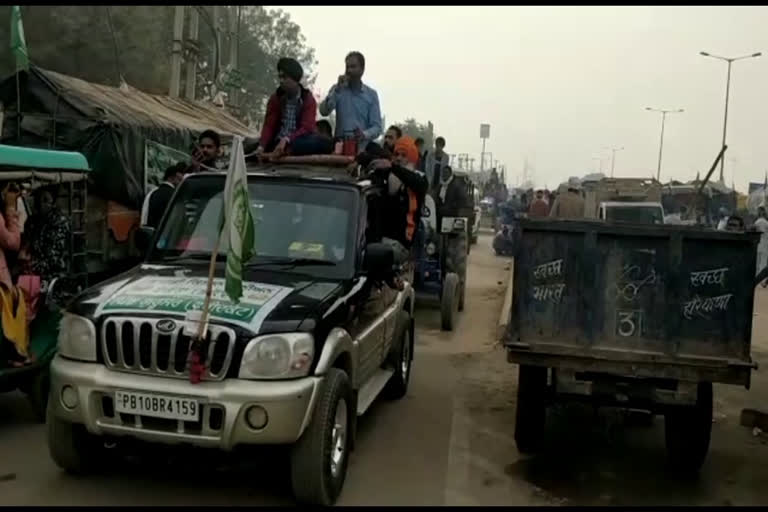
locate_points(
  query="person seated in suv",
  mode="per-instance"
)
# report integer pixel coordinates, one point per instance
(402, 204)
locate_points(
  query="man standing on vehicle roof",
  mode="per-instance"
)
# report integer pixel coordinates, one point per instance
(358, 114)
(402, 205)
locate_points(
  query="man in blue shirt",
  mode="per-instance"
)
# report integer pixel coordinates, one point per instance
(358, 114)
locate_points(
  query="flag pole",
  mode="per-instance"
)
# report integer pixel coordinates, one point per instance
(209, 289)
(235, 199)
(196, 350)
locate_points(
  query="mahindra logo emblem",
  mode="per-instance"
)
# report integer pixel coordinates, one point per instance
(166, 326)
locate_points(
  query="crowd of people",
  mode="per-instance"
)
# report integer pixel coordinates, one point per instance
(405, 166)
(34, 238)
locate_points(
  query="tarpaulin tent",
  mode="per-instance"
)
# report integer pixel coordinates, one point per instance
(109, 125)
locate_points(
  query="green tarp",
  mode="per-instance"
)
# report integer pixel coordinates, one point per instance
(111, 126)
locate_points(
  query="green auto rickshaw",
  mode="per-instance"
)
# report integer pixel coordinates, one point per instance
(28, 169)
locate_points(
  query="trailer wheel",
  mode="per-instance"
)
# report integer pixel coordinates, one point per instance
(449, 302)
(688, 430)
(531, 413)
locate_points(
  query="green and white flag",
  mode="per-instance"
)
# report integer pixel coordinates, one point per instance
(238, 234)
(18, 42)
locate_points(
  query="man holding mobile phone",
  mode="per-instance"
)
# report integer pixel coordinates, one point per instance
(358, 114)
(206, 152)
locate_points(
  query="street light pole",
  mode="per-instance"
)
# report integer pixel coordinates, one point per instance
(600, 169)
(661, 142)
(613, 157)
(730, 61)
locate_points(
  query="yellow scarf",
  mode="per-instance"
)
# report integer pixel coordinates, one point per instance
(14, 318)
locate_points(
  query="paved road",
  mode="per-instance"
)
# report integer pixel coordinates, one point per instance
(448, 442)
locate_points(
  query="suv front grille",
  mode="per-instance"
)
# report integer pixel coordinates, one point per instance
(135, 345)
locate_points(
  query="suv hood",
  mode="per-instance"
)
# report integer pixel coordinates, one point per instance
(271, 302)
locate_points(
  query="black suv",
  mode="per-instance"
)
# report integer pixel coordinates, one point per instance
(313, 341)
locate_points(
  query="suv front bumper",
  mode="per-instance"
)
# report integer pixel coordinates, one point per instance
(288, 404)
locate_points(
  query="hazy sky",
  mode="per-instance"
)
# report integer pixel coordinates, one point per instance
(558, 84)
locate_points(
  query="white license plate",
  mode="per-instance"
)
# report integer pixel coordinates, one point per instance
(158, 406)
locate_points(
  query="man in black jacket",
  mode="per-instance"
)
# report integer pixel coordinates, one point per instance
(401, 206)
(161, 196)
(452, 198)
(453, 201)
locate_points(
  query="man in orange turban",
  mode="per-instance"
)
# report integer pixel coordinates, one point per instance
(402, 205)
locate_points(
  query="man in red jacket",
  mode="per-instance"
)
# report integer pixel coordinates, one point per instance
(289, 124)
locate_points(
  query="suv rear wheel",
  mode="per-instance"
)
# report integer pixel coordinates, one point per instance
(400, 359)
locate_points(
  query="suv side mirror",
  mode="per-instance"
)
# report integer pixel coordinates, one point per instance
(143, 238)
(379, 259)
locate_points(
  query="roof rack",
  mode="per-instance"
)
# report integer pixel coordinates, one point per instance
(322, 167)
(322, 160)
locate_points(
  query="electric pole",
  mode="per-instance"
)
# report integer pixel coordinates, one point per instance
(178, 36)
(193, 51)
(234, 22)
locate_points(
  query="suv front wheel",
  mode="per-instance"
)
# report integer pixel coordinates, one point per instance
(319, 458)
(71, 446)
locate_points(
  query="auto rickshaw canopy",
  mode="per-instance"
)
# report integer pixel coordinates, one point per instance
(20, 163)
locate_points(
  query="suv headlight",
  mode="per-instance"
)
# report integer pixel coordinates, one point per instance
(278, 356)
(77, 338)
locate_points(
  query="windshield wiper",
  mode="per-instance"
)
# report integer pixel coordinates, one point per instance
(291, 262)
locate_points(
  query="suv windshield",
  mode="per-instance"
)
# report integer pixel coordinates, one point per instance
(295, 224)
(634, 214)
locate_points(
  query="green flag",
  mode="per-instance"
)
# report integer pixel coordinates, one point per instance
(238, 235)
(18, 42)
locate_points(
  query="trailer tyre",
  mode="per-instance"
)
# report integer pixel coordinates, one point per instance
(688, 430)
(449, 302)
(71, 446)
(531, 413)
(319, 458)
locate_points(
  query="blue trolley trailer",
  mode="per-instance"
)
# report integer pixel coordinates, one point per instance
(636, 316)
